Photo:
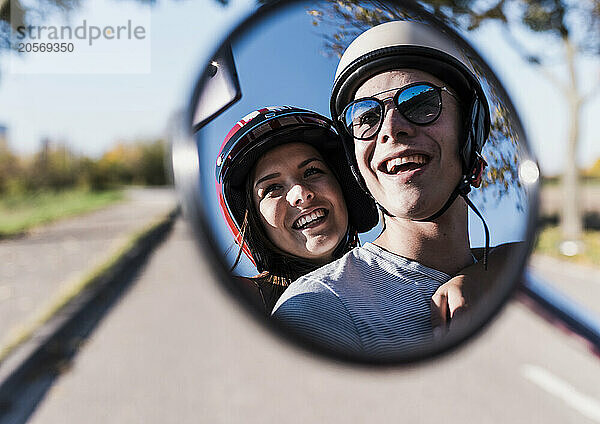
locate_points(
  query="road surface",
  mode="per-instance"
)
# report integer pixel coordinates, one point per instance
(176, 349)
(580, 282)
(36, 267)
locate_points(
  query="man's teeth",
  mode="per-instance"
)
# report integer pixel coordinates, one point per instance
(393, 163)
(307, 219)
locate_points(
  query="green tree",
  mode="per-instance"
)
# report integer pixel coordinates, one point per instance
(10, 170)
(54, 167)
(13, 13)
(593, 172)
(151, 167)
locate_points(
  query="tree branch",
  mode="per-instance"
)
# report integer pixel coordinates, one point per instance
(532, 59)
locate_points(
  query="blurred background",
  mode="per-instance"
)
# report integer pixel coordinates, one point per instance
(84, 169)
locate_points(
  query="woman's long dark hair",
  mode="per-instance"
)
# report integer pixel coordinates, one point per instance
(278, 269)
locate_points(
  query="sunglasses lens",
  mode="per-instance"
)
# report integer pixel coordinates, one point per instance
(420, 104)
(362, 118)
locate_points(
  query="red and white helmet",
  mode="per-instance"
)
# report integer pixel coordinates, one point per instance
(265, 128)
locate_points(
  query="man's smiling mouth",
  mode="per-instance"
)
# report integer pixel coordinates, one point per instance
(404, 164)
(310, 220)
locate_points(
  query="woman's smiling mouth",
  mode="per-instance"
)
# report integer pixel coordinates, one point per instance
(311, 219)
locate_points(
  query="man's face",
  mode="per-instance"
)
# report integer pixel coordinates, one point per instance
(410, 169)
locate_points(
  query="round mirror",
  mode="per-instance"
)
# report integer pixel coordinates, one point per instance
(375, 208)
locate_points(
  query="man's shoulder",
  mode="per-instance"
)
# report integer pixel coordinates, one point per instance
(333, 268)
(320, 281)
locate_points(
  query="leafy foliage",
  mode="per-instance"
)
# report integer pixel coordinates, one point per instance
(139, 163)
(593, 172)
(56, 167)
(344, 20)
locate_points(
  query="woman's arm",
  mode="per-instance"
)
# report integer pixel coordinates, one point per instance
(470, 284)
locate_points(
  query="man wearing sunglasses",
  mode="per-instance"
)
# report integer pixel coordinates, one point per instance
(414, 120)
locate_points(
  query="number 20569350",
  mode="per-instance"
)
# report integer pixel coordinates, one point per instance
(45, 47)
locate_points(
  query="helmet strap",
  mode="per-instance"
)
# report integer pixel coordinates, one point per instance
(485, 228)
(462, 189)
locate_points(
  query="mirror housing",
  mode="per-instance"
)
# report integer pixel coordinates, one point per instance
(198, 141)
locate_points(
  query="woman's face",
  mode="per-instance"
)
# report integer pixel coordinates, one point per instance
(299, 202)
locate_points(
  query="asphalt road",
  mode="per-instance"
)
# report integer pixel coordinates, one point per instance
(36, 267)
(580, 282)
(176, 349)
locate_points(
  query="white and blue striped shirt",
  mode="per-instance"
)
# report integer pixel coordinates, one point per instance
(370, 302)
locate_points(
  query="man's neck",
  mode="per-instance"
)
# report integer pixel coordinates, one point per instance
(442, 244)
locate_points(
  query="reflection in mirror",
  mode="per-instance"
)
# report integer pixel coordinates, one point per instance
(222, 91)
(391, 232)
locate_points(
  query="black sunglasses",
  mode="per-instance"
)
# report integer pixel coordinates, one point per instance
(419, 103)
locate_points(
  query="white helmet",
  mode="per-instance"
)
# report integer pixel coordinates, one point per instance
(404, 44)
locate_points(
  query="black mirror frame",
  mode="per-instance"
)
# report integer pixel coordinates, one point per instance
(188, 184)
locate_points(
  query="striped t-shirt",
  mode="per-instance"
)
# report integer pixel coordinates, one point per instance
(369, 302)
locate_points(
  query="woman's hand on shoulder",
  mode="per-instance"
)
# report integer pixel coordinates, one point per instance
(453, 298)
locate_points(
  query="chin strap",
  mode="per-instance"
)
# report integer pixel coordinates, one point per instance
(487, 232)
(463, 189)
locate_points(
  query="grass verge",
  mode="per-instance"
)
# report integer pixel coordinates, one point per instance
(549, 240)
(19, 213)
(21, 334)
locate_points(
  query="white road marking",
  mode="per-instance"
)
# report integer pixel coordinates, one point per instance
(585, 405)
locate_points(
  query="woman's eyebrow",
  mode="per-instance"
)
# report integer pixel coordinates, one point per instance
(277, 174)
(307, 161)
(267, 177)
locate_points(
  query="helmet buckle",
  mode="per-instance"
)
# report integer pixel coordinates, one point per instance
(477, 174)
